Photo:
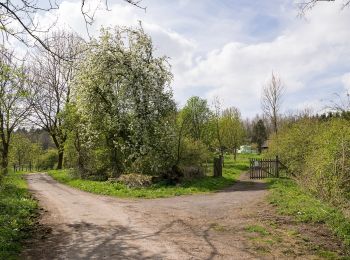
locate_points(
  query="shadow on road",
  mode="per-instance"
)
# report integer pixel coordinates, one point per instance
(88, 241)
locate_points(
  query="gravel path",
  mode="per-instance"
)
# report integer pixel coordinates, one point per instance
(80, 225)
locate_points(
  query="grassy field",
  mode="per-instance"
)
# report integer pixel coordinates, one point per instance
(17, 212)
(291, 200)
(231, 171)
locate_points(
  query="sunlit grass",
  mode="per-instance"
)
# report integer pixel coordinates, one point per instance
(231, 171)
(290, 199)
(17, 212)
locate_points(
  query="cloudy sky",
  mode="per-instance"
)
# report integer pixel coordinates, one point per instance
(229, 48)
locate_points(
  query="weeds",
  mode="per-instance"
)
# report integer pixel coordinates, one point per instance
(290, 199)
(17, 212)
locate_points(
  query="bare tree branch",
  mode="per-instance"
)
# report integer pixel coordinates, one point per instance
(17, 19)
(340, 104)
(271, 100)
(305, 6)
(51, 79)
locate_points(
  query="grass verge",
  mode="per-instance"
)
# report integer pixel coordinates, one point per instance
(17, 212)
(291, 200)
(231, 171)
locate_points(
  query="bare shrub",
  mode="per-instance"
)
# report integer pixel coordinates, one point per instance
(134, 180)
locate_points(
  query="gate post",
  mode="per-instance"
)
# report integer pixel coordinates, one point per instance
(218, 167)
(277, 164)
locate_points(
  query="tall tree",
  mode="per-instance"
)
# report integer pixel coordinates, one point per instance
(271, 100)
(232, 130)
(124, 98)
(197, 114)
(217, 115)
(259, 135)
(51, 80)
(13, 104)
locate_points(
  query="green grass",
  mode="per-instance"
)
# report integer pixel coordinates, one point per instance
(290, 199)
(231, 171)
(257, 229)
(17, 212)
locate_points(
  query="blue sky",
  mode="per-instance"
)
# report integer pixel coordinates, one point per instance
(229, 48)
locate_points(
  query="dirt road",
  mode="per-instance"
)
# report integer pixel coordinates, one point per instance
(88, 226)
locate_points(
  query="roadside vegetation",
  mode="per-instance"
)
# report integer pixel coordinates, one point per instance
(231, 171)
(292, 200)
(17, 214)
(316, 152)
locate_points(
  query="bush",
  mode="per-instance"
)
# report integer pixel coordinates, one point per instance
(48, 160)
(318, 154)
(194, 153)
(293, 143)
(70, 154)
(327, 167)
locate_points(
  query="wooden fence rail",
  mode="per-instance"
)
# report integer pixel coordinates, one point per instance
(264, 168)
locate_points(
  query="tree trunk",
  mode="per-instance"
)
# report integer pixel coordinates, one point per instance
(259, 147)
(59, 146)
(4, 162)
(179, 144)
(218, 167)
(60, 160)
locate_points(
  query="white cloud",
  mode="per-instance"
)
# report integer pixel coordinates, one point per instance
(237, 71)
(217, 55)
(346, 81)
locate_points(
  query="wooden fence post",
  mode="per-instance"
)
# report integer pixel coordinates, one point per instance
(277, 164)
(218, 167)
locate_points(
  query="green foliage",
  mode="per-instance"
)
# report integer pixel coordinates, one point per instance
(231, 171)
(318, 154)
(231, 129)
(259, 134)
(327, 168)
(17, 212)
(195, 116)
(195, 132)
(294, 143)
(125, 105)
(194, 153)
(293, 200)
(257, 229)
(23, 151)
(13, 103)
(70, 154)
(47, 160)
